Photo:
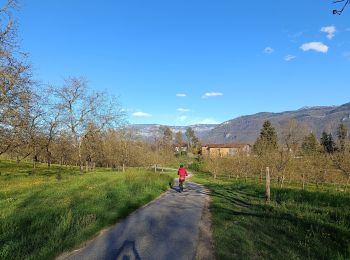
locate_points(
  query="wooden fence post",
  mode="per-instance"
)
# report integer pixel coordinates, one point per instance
(267, 192)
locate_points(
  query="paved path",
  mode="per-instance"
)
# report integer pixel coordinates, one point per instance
(166, 228)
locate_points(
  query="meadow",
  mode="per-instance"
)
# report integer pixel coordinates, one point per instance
(44, 212)
(297, 224)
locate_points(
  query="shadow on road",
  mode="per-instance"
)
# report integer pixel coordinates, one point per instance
(128, 251)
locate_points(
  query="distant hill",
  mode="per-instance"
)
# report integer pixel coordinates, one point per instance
(148, 131)
(245, 129)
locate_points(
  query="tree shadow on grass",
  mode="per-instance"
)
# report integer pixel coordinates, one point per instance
(291, 234)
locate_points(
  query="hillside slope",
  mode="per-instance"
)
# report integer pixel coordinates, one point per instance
(245, 129)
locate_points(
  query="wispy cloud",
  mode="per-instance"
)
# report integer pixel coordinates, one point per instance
(212, 94)
(289, 57)
(181, 95)
(330, 30)
(141, 114)
(268, 50)
(315, 46)
(182, 110)
(347, 55)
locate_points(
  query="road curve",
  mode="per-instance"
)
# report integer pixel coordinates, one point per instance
(166, 228)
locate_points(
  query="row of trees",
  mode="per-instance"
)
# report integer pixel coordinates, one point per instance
(68, 124)
(170, 140)
(293, 157)
(69, 118)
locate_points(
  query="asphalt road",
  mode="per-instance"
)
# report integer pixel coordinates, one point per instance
(166, 228)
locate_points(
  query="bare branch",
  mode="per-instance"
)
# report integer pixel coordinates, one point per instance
(340, 11)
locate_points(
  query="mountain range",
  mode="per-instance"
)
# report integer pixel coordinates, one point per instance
(148, 132)
(245, 129)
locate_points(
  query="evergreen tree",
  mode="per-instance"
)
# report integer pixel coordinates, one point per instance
(267, 140)
(310, 144)
(328, 143)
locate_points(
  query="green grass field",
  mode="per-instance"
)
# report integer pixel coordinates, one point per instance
(296, 225)
(44, 212)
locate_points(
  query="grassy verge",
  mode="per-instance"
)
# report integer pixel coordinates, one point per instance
(296, 225)
(47, 211)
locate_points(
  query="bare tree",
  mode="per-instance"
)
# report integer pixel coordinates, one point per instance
(178, 139)
(292, 135)
(344, 4)
(341, 160)
(15, 81)
(81, 108)
(62, 149)
(92, 146)
(290, 139)
(52, 120)
(125, 144)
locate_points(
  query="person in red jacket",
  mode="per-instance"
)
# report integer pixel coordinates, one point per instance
(182, 176)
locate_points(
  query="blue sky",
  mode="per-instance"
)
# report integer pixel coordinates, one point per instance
(229, 58)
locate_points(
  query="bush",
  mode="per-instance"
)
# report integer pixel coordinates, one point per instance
(196, 166)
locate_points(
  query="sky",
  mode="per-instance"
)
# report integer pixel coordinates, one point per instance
(183, 62)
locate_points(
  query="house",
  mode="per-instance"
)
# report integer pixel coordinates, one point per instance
(222, 150)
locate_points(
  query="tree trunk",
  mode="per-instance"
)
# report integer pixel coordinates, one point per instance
(48, 155)
(80, 157)
(49, 162)
(347, 183)
(34, 162)
(267, 192)
(282, 181)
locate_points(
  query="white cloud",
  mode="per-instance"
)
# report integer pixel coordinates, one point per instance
(182, 110)
(315, 46)
(347, 55)
(330, 30)
(212, 94)
(141, 114)
(268, 50)
(289, 57)
(181, 95)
